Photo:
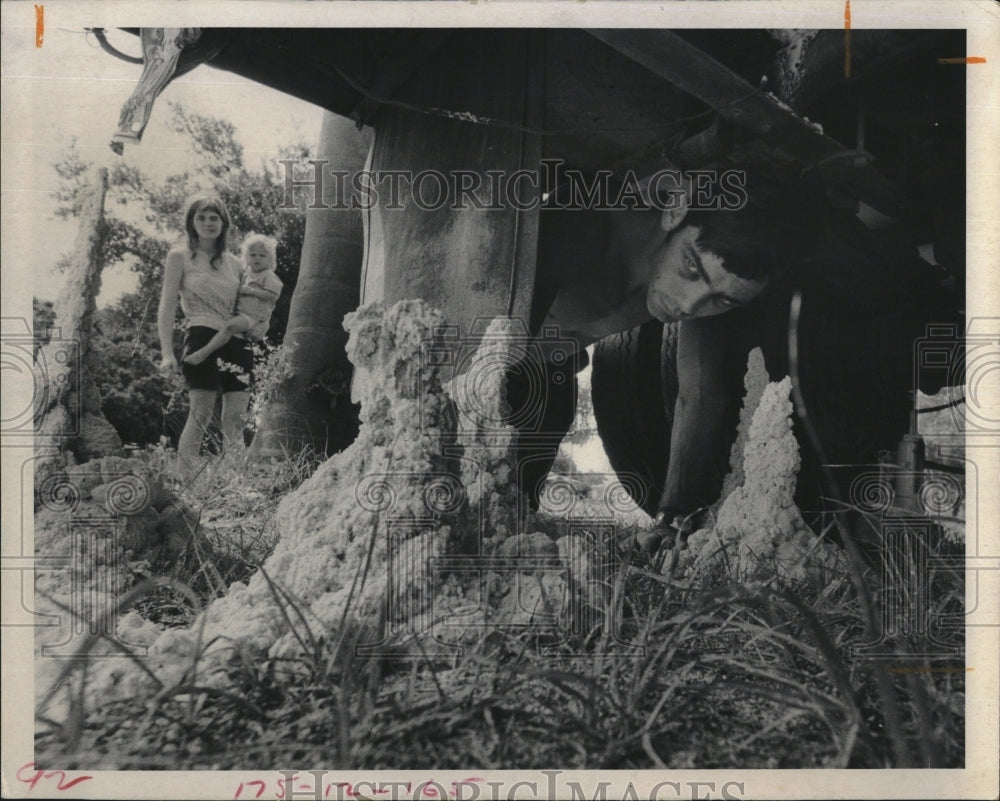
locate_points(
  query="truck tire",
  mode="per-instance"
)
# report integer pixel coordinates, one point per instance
(634, 387)
(856, 368)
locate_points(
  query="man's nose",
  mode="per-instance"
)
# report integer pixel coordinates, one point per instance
(687, 306)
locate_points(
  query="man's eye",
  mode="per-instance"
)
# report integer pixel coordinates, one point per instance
(690, 269)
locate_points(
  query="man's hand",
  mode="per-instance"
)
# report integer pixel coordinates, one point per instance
(668, 525)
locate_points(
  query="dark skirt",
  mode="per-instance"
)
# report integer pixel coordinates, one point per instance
(230, 368)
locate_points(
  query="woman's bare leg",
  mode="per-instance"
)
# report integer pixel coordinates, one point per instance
(202, 403)
(234, 411)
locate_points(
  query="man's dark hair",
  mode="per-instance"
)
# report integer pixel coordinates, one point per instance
(757, 242)
(750, 242)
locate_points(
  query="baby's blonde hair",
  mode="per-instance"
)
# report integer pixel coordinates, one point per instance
(270, 244)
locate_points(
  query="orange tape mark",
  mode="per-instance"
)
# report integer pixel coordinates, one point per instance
(847, 38)
(39, 25)
(963, 60)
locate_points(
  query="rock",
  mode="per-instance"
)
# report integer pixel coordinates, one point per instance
(112, 467)
(533, 599)
(84, 477)
(138, 532)
(530, 552)
(100, 494)
(576, 555)
(136, 630)
(51, 533)
(129, 486)
(176, 524)
(125, 496)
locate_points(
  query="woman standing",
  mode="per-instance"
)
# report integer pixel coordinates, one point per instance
(206, 279)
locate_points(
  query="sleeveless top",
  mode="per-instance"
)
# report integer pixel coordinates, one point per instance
(208, 295)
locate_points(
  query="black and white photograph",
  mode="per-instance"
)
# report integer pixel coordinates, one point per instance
(501, 400)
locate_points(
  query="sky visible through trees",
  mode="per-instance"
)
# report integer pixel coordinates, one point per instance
(70, 90)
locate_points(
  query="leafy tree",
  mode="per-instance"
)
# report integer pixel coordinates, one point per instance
(44, 318)
(144, 219)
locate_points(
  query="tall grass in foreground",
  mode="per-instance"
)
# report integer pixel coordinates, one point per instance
(673, 672)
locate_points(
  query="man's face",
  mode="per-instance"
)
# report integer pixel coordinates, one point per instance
(688, 282)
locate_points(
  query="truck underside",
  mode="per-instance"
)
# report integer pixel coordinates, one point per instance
(875, 139)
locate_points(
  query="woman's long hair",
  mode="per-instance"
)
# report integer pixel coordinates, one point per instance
(211, 203)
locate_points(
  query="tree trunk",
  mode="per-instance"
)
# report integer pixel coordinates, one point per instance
(67, 413)
(433, 242)
(312, 408)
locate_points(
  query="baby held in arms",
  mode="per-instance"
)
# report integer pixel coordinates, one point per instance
(258, 294)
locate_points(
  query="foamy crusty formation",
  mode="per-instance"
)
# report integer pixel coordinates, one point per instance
(357, 538)
(488, 442)
(754, 383)
(759, 532)
(394, 471)
(99, 528)
(334, 529)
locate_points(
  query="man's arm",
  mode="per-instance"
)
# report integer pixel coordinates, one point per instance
(711, 359)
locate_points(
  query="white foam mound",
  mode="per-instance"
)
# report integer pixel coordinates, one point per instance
(759, 531)
(358, 540)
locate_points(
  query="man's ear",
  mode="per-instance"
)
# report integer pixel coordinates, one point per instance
(674, 212)
(670, 219)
